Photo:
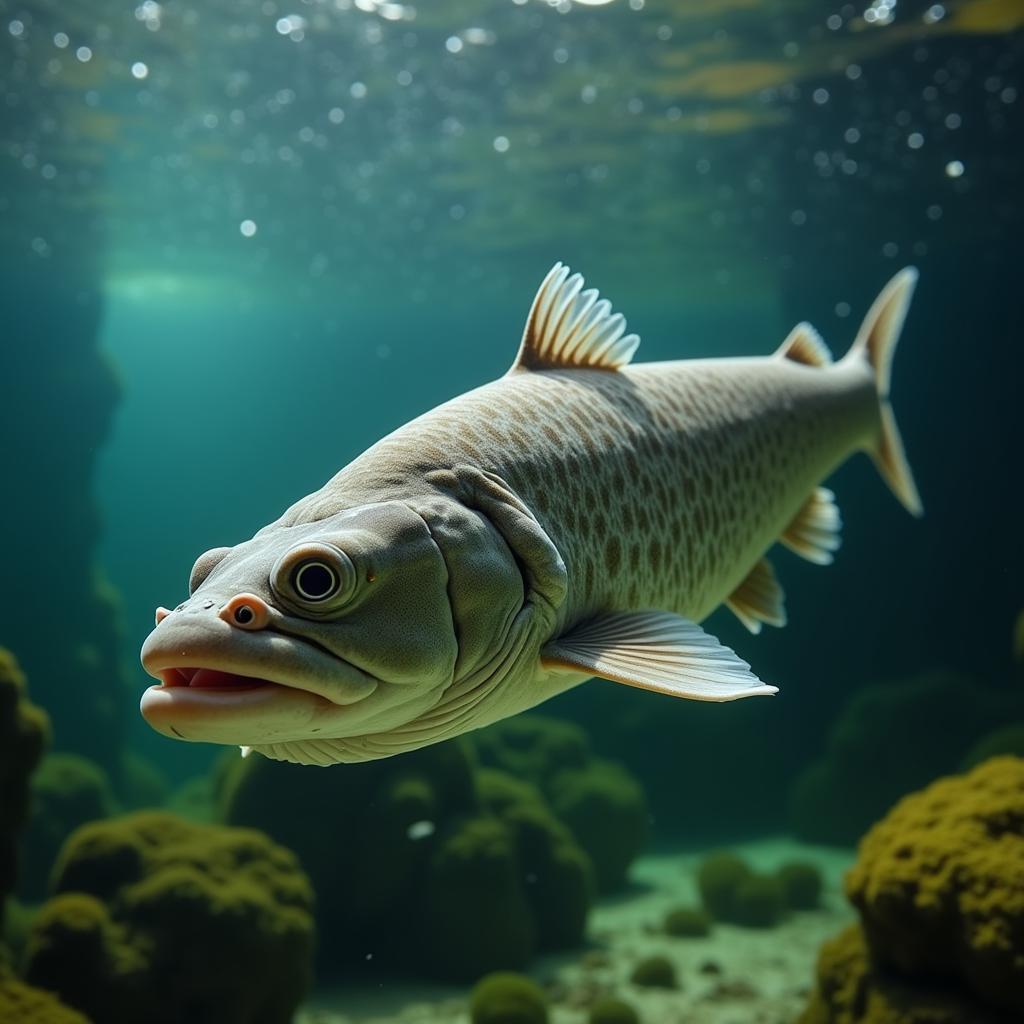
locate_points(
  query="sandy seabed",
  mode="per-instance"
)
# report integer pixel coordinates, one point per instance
(734, 976)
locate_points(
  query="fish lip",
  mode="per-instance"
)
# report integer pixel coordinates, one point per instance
(269, 656)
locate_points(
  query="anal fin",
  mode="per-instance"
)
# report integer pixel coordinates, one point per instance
(814, 532)
(759, 598)
(655, 651)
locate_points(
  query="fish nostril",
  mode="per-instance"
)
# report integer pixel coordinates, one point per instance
(246, 611)
(244, 615)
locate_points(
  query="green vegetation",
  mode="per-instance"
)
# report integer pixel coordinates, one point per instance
(507, 998)
(801, 885)
(718, 879)
(612, 1011)
(655, 972)
(688, 923)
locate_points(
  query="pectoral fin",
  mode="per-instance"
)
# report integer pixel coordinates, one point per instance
(759, 598)
(655, 651)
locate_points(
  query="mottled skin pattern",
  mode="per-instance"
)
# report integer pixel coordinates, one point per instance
(660, 484)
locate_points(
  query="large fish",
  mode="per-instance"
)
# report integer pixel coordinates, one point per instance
(578, 517)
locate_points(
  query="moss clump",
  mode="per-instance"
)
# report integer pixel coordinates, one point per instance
(719, 876)
(688, 923)
(507, 998)
(216, 921)
(612, 1011)
(801, 884)
(22, 1004)
(67, 791)
(760, 902)
(852, 989)
(939, 884)
(655, 972)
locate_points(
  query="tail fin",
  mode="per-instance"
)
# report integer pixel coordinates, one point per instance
(876, 342)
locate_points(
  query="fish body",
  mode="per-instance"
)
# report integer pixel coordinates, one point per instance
(579, 516)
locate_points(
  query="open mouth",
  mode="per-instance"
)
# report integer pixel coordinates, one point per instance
(210, 679)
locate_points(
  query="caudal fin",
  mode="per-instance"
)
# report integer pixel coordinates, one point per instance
(876, 342)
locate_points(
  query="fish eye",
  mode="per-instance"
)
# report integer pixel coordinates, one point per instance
(314, 580)
(317, 577)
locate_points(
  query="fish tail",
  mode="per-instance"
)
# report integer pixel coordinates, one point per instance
(876, 343)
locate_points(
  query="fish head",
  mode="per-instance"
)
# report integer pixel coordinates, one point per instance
(338, 627)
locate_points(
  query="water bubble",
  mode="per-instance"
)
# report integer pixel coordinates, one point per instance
(61, 40)
(248, 228)
(420, 830)
(820, 97)
(852, 135)
(890, 250)
(84, 54)
(335, 115)
(934, 13)
(915, 140)
(834, 22)
(139, 70)
(16, 28)
(934, 212)
(954, 169)
(357, 90)
(798, 218)
(842, 309)
(501, 144)
(453, 44)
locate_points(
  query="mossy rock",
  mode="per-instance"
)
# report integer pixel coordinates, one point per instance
(802, 884)
(507, 998)
(1007, 740)
(612, 1011)
(719, 876)
(162, 920)
(654, 972)
(23, 1004)
(939, 884)
(533, 747)
(67, 791)
(759, 902)
(850, 988)
(687, 923)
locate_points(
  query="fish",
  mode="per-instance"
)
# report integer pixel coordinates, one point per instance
(579, 517)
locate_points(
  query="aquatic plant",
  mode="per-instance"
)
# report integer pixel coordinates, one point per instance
(719, 876)
(612, 1011)
(889, 740)
(801, 884)
(163, 920)
(654, 972)
(507, 998)
(687, 922)
(602, 803)
(939, 886)
(67, 791)
(24, 734)
(422, 856)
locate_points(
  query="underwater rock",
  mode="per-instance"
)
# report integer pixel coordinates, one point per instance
(758, 902)
(414, 859)
(507, 998)
(67, 791)
(24, 734)
(802, 883)
(890, 740)
(939, 883)
(1007, 740)
(687, 923)
(719, 875)
(654, 972)
(852, 989)
(612, 1011)
(161, 920)
(23, 1004)
(602, 803)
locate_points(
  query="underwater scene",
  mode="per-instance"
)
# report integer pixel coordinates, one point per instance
(447, 578)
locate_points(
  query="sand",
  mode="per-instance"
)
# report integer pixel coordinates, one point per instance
(734, 976)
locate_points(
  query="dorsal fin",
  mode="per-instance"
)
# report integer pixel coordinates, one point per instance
(571, 328)
(759, 598)
(814, 532)
(804, 345)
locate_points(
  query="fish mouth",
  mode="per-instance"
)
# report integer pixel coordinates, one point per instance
(211, 679)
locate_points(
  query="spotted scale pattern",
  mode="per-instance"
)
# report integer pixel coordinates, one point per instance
(661, 484)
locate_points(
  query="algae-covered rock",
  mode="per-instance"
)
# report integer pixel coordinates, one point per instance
(654, 972)
(24, 734)
(889, 740)
(161, 920)
(851, 989)
(1009, 739)
(67, 791)
(939, 884)
(719, 876)
(612, 1011)
(687, 923)
(23, 1004)
(601, 802)
(426, 863)
(759, 902)
(507, 998)
(802, 883)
